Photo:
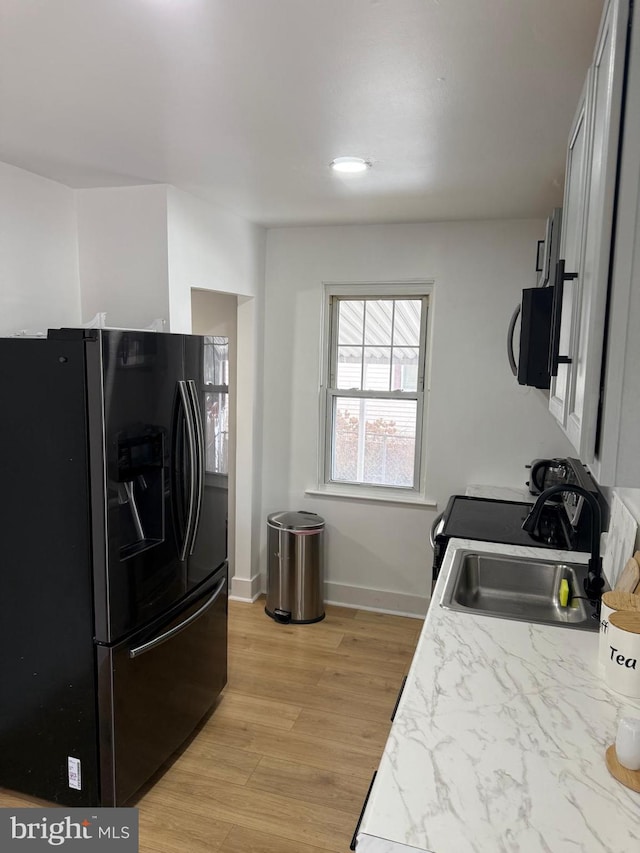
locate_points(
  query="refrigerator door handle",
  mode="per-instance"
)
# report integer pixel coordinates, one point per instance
(177, 629)
(200, 458)
(185, 397)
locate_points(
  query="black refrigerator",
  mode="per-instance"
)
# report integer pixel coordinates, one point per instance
(113, 566)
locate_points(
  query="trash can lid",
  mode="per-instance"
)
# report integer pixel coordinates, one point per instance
(300, 520)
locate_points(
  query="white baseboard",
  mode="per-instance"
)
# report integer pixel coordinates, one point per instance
(378, 600)
(343, 595)
(246, 589)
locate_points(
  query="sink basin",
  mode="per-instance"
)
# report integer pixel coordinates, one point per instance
(518, 588)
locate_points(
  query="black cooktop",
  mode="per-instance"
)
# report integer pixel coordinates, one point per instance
(501, 521)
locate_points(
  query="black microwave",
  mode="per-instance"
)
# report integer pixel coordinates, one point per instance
(535, 337)
(536, 314)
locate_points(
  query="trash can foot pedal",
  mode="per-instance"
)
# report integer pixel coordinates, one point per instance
(282, 615)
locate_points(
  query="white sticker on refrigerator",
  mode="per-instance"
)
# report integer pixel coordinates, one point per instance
(75, 776)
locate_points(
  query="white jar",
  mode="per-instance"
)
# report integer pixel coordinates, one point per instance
(622, 664)
(628, 743)
(611, 603)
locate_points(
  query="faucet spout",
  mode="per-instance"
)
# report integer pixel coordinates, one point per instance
(594, 581)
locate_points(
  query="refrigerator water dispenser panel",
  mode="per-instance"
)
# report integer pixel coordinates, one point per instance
(141, 492)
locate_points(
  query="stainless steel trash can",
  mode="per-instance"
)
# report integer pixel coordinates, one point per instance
(295, 576)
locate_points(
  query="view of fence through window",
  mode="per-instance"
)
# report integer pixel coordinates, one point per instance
(216, 394)
(377, 353)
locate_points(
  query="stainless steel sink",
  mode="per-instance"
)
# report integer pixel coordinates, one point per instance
(518, 588)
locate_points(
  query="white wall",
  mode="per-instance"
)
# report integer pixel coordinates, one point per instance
(482, 426)
(122, 237)
(247, 583)
(39, 285)
(209, 249)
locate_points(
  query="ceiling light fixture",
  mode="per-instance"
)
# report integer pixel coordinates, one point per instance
(350, 164)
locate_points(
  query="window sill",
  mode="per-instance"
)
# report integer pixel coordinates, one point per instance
(340, 494)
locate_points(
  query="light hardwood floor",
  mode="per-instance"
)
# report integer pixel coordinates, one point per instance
(284, 762)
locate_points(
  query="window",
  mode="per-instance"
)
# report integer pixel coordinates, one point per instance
(216, 396)
(374, 394)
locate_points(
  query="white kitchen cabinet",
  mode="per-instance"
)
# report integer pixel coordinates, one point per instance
(586, 242)
(618, 456)
(571, 251)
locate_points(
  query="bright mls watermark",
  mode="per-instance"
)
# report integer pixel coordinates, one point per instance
(88, 829)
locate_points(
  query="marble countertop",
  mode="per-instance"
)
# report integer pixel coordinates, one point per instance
(501, 493)
(498, 742)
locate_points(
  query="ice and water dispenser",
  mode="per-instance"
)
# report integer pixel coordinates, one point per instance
(141, 491)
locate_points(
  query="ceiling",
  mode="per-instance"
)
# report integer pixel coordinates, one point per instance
(463, 107)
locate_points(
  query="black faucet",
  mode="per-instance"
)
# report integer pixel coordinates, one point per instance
(594, 581)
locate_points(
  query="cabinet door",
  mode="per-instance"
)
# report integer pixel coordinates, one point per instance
(606, 105)
(618, 461)
(586, 241)
(575, 192)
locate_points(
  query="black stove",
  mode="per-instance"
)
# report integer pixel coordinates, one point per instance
(501, 521)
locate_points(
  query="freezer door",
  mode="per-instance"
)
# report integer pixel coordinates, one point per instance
(135, 415)
(156, 687)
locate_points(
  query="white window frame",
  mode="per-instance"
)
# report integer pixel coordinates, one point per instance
(328, 391)
(215, 477)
